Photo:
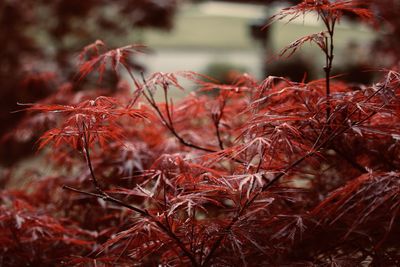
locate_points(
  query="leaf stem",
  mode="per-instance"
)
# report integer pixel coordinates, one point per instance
(330, 25)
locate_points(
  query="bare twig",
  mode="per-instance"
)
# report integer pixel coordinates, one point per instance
(216, 117)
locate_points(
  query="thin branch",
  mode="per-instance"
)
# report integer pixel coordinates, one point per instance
(216, 117)
(168, 121)
(329, 63)
(167, 108)
(109, 199)
(352, 162)
(86, 139)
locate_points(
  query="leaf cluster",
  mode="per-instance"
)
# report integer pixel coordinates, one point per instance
(255, 174)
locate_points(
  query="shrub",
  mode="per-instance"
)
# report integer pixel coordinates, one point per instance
(269, 172)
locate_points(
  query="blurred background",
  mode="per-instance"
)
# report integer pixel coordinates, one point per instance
(40, 41)
(212, 37)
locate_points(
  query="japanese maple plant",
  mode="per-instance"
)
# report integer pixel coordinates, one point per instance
(258, 173)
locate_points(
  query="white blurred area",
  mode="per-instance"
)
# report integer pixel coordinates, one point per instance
(219, 32)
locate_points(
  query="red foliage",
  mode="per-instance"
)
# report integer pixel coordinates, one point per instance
(261, 173)
(115, 57)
